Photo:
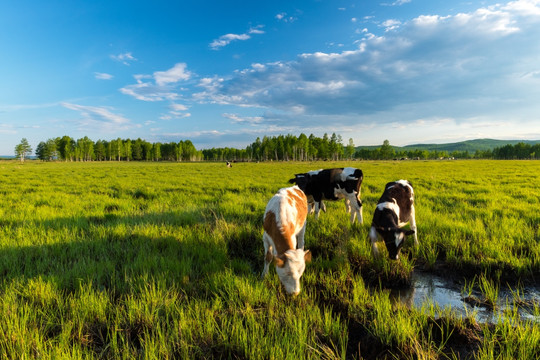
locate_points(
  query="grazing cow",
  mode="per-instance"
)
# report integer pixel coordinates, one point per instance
(229, 164)
(284, 228)
(394, 209)
(332, 184)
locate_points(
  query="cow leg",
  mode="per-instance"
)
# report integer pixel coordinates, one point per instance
(356, 208)
(311, 207)
(347, 205)
(413, 225)
(353, 215)
(268, 256)
(311, 204)
(318, 204)
(300, 237)
(373, 237)
(360, 215)
(317, 209)
(323, 207)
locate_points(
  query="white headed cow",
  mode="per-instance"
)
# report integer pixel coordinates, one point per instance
(394, 209)
(332, 184)
(284, 228)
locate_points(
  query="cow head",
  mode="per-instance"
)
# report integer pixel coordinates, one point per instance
(290, 266)
(394, 238)
(301, 180)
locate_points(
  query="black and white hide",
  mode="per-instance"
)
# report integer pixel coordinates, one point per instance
(332, 184)
(394, 210)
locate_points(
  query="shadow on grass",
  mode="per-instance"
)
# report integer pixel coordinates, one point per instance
(110, 253)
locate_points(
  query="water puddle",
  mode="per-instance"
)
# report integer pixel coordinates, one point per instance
(445, 293)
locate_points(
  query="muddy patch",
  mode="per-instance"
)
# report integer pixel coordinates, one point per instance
(442, 292)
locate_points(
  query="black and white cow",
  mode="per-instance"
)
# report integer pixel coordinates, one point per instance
(332, 184)
(394, 209)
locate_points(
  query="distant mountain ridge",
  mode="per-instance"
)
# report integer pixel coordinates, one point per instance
(467, 145)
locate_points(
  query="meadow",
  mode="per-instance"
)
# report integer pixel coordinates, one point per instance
(162, 261)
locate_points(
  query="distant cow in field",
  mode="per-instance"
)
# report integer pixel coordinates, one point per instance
(229, 164)
(332, 184)
(394, 209)
(284, 228)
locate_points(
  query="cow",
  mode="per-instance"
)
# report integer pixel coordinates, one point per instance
(332, 184)
(394, 209)
(284, 224)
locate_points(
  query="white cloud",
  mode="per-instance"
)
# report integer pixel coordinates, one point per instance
(283, 17)
(391, 24)
(162, 88)
(103, 76)
(174, 115)
(176, 73)
(235, 118)
(429, 67)
(397, 3)
(99, 118)
(257, 30)
(7, 129)
(178, 111)
(226, 39)
(125, 58)
(179, 107)
(147, 91)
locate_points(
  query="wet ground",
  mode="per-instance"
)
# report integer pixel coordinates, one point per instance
(444, 293)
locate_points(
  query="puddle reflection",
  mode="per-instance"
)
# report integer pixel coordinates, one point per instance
(445, 293)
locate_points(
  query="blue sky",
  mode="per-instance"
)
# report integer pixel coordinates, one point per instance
(222, 73)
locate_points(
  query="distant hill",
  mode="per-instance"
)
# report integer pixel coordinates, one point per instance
(468, 145)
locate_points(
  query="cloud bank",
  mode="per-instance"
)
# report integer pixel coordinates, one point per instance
(456, 66)
(477, 68)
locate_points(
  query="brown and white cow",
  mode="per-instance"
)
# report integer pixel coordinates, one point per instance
(332, 184)
(284, 228)
(394, 209)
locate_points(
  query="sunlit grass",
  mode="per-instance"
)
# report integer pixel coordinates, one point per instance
(146, 260)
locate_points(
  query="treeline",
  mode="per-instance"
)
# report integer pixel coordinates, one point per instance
(518, 151)
(287, 147)
(388, 152)
(276, 148)
(304, 148)
(84, 149)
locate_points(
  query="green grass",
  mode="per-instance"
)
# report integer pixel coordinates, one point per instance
(162, 261)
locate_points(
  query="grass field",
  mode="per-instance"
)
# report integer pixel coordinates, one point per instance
(162, 261)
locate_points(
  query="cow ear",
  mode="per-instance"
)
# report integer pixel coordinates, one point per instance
(307, 256)
(409, 232)
(292, 181)
(280, 262)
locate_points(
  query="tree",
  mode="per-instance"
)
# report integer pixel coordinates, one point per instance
(386, 150)
(349, 150)
(100, 150)
(23, 149)
(46, 150)
(40, 151)
(156, 151)
(85, 149)
(66, 147)
(137, 150)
